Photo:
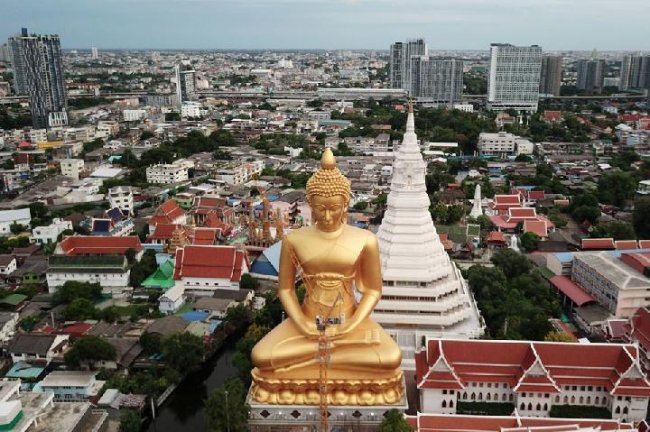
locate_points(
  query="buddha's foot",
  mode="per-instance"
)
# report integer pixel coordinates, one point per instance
(387, 390)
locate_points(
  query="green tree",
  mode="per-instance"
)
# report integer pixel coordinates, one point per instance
(394, 421)
(523, 158)
(72, 290)
(17, 228)
(142, 269)
(616, 188)
(511, 263)
(248, 282)
(558, 219)
(183, 352)
(89, 350)
(226, 408)
(641, 218)
(151, 343)
(617, 230)
(529, 241)
(80, 309)
(361, 206)
(130, 255)
(130, 421)
(586, 213)
(146, 135)
(454, 214)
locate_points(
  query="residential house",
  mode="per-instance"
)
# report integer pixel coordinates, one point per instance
(7, 265)
(31, 272)
(37, 348)
(172, 300)
(70, 385)
(8, 323)
(50, 234)
(10, 217)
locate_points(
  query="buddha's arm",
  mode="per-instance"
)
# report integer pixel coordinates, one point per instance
(287, 291)
(368, 282)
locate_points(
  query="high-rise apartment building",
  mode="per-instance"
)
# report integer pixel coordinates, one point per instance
(185, 83)
(635, 72)
(551, 75)
(94, 54)
(590, 75)
(401, 55)
(513, 81)
(438, 81)
(38, 73)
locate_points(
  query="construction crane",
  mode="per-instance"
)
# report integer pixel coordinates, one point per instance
(324, 361)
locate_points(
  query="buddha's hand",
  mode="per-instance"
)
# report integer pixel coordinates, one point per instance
(309, 330)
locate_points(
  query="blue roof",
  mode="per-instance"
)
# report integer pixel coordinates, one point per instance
(115, 214)
(564, 256)
(214, 324)
(268, 263)
(101, 226)
(195, 316)
(24, 370)
(618, 253)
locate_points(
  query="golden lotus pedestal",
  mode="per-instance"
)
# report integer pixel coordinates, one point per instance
(292, 402)
(365, 389)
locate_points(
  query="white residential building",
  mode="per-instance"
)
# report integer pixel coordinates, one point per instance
(192, 109)
(524, 147)
(8, 323)
(172, 300)
(134, 115)
(7, 265)
(513, 79)
(30, 347)
(501, 144)
(72, 168)
(9, 217)
(50, 234)
(121, 197)
(167, 173)
(424, 293)
(240, 174)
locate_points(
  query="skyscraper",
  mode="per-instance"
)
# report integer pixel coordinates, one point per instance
(590, 75)
(424, 294)
(438, 81)
(38, 72)
(551, 75)
(635, 72)
(401, 56)
(185, 83)
(513, 81)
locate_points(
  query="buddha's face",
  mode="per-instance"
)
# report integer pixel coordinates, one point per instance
(328, 212)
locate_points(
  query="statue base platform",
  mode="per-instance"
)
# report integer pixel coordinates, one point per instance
(265, 417)
(365, 390)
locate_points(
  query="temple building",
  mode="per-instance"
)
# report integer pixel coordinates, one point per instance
(538, 379)
(424, 294)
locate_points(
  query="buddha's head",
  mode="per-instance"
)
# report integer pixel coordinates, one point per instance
(328, 193)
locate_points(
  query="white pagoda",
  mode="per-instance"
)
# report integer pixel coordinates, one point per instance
(477, 210)
(424, 295)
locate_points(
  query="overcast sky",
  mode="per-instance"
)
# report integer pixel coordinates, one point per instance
(329, 24)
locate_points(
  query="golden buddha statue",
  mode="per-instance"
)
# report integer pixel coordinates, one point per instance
(338, 263)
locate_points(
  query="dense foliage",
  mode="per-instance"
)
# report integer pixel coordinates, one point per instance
(514, 299)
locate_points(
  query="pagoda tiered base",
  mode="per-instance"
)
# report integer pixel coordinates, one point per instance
(368, 388)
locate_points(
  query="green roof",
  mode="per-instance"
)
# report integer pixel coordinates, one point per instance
(163, 277)
(14, 299)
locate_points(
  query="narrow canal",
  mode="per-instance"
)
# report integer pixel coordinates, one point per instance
(185, 408)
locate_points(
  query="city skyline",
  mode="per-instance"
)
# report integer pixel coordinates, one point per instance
(335, 24)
